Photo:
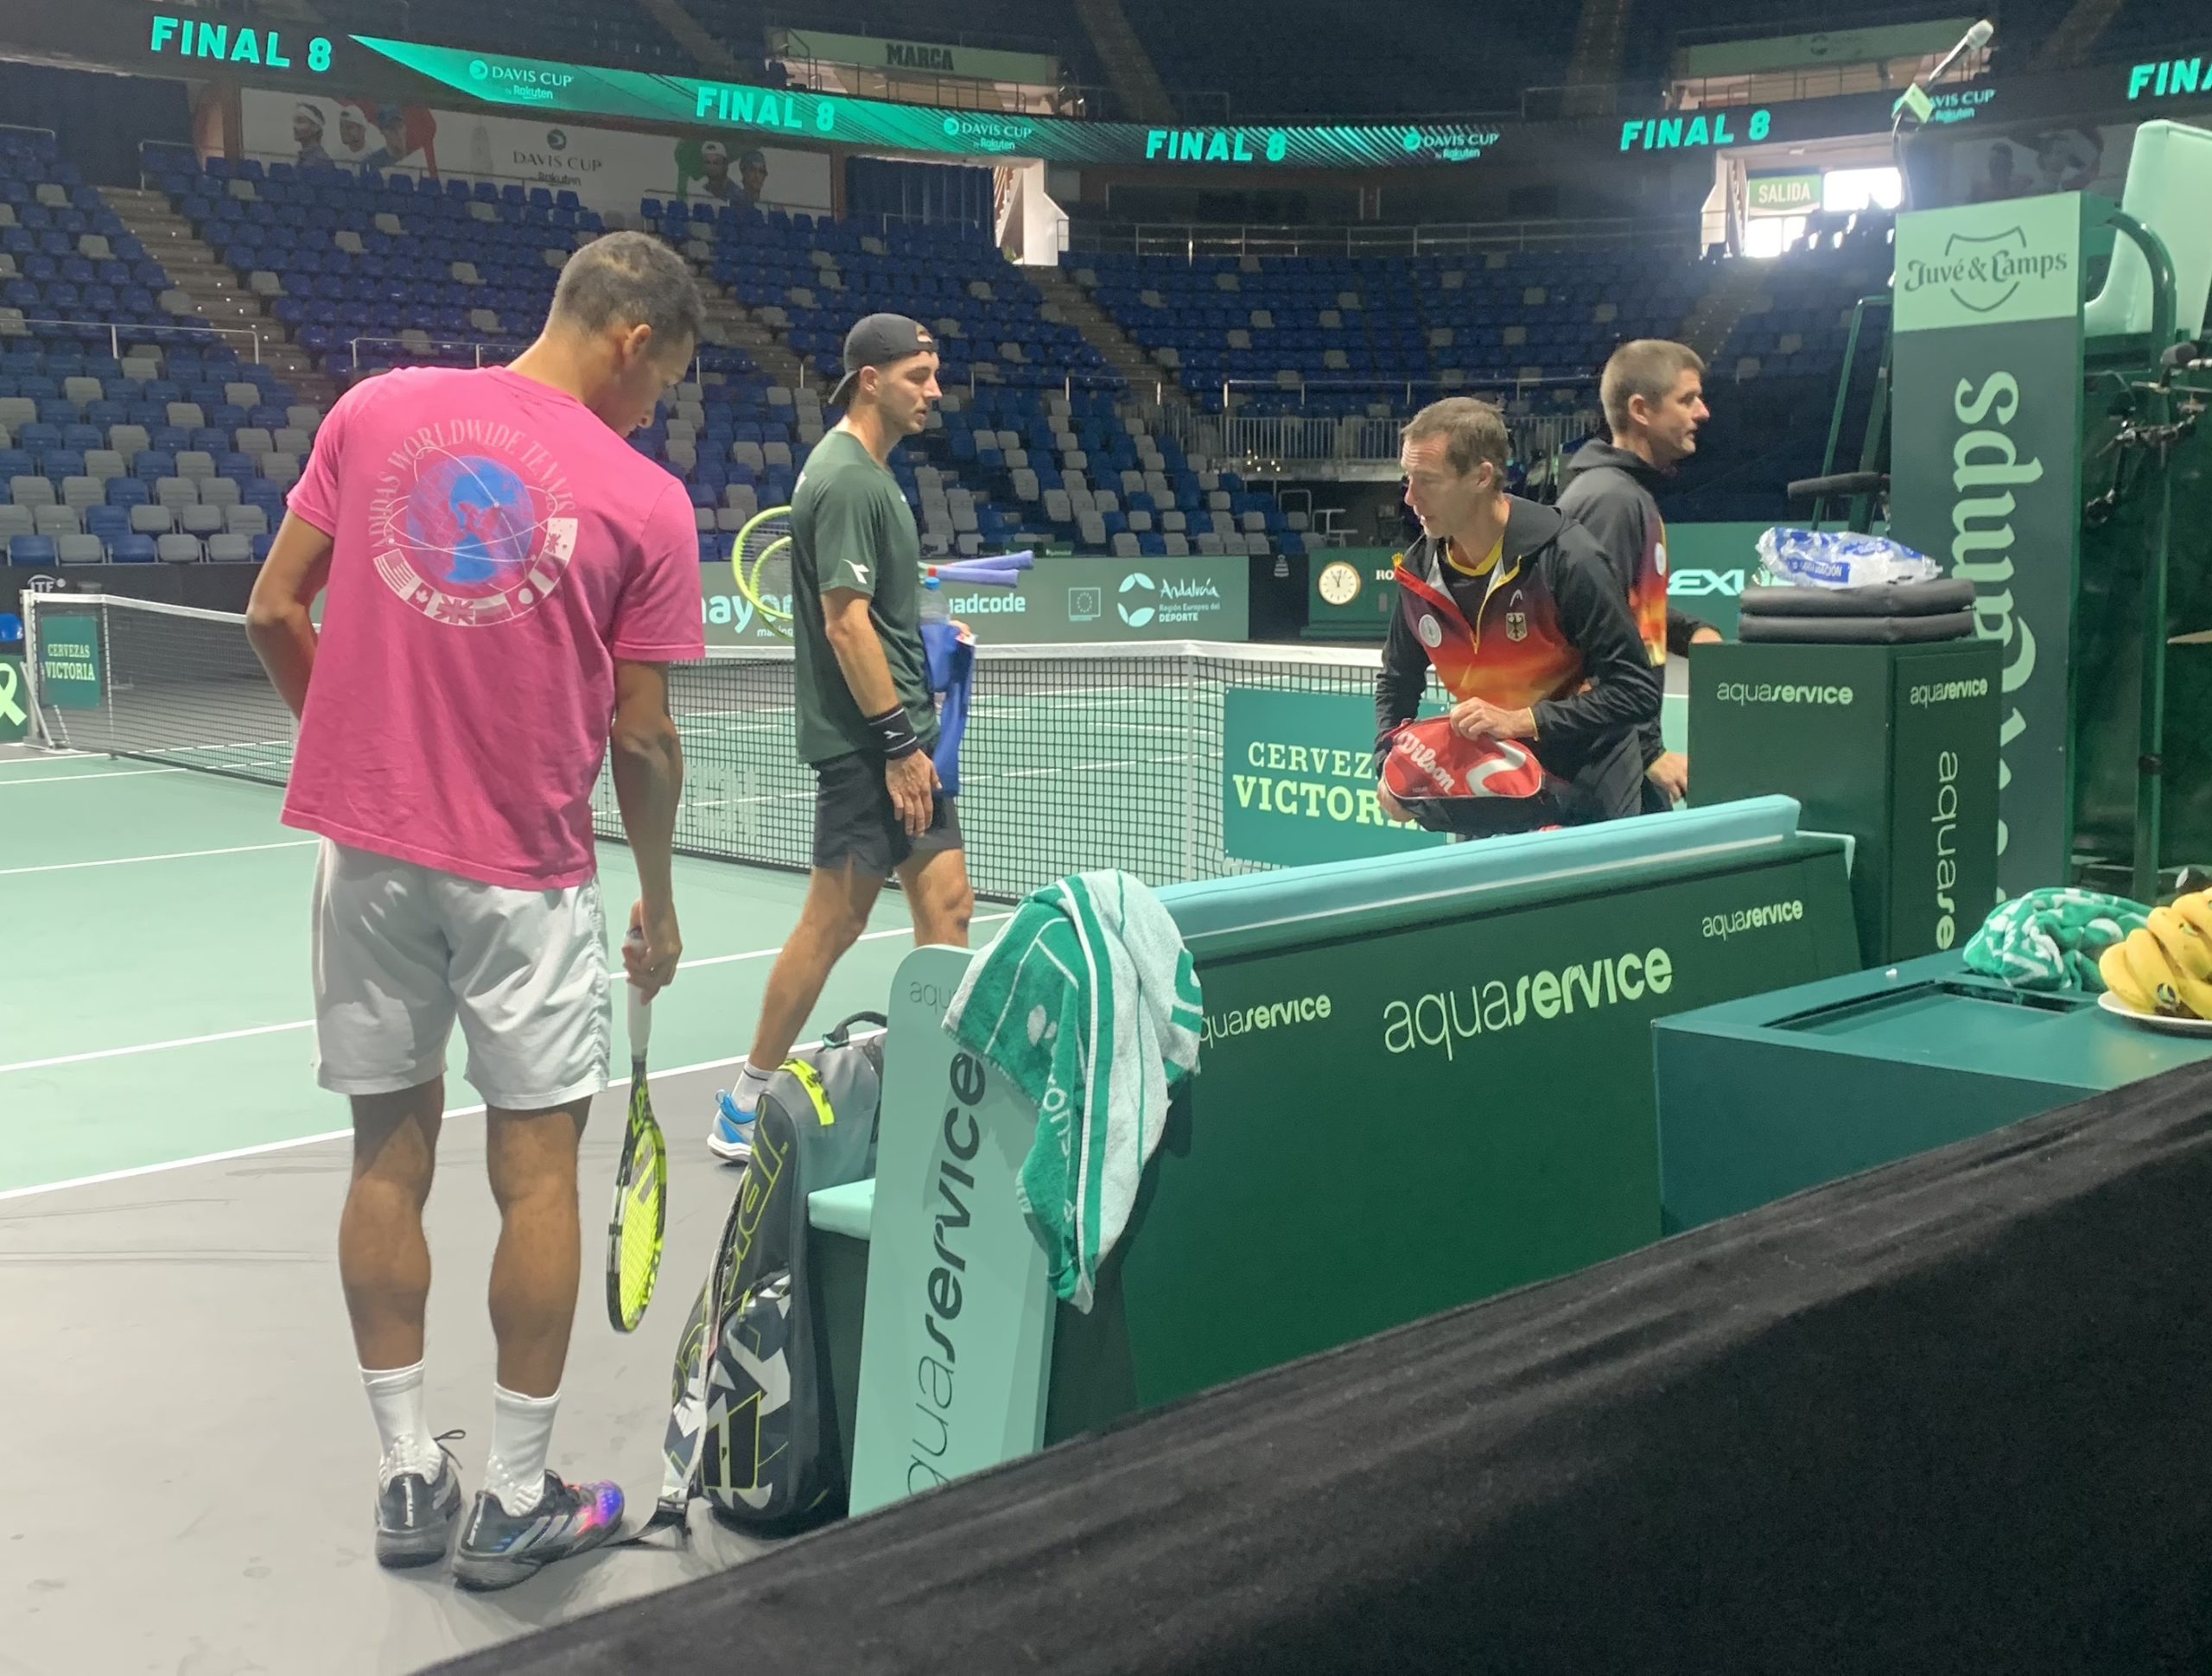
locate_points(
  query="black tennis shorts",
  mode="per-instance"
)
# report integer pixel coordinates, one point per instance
(854, 822)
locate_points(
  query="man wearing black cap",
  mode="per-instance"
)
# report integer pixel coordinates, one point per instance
(867, 720)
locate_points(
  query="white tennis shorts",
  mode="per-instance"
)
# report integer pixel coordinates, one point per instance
(402, 950)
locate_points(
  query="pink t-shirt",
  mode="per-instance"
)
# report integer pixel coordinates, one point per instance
(496, 549)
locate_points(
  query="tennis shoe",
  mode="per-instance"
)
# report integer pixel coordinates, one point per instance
(498, 1549)
(416, 1514)
(731, 1138)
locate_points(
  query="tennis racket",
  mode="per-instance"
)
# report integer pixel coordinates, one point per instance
(634, 1233)
(761, 558)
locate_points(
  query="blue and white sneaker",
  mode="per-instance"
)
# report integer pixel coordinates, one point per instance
(731, 1138)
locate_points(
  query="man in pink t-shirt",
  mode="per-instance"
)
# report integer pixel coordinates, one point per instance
(505, 573)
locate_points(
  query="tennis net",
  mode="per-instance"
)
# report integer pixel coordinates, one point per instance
(1076, 758)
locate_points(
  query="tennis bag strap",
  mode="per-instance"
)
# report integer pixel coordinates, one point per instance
(752, 1422)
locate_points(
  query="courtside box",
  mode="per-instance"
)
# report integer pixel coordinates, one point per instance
(1770, 1095)
(1894, 745)
(1426, 1079)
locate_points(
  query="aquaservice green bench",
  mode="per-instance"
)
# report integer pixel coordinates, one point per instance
(1427, 1080)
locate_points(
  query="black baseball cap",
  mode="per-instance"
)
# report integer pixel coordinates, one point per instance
(879, 340)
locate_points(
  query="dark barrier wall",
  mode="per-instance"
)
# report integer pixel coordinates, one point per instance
(918, 191)
(1947, 1416)
(209, 587)
(98, 120)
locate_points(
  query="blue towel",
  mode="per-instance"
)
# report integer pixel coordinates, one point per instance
(951, 662)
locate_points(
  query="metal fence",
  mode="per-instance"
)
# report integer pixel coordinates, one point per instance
(123, 335)
(420, 346)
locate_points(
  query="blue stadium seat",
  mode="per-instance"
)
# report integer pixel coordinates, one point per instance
(109, 524)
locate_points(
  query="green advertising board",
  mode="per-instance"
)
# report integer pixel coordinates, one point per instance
(957, 1342)
(1475, 1081)
(1782, 194)
(1495, 1044)
(1350, 591)
(545, 85)
(1298, 780)
(69, 661)
(1708, 565)
(1987, 473)
(1059, 601)
(15, 702)
(915, 57)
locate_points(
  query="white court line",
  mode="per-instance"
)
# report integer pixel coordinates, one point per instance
(306, 1024)
(152, 1047)
(283, 1145)
(172, 855)
(71, 779)
(865, 936)
(48, 758)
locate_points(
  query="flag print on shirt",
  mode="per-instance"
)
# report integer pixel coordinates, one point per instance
(1515, 655)
(473, 522)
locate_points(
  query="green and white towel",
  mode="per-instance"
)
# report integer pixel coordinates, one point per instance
(1089, 1001)
(2050, 939)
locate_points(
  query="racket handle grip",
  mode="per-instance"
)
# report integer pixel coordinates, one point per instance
(641, 1010)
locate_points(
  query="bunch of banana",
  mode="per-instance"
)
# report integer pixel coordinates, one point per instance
(2166, 968)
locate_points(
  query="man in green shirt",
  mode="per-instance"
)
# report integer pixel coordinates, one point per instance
(866, 719)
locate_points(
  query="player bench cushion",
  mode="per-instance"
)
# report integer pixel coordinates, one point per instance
(845, 1210)
(1248, 901)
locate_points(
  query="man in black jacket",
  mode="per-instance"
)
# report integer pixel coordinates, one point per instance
(1653, 392)
(1516, 611)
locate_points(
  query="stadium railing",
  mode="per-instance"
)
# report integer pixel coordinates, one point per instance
(119, 333)
(1190, 240)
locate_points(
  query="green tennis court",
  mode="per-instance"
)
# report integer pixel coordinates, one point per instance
(159, 1008)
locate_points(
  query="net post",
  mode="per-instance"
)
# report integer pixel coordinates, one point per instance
(1192, 776)
(31, 667)
(107, 671)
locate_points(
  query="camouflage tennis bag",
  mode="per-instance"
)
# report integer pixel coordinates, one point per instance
(752, 1424)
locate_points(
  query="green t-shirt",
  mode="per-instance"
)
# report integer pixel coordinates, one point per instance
(851, 527)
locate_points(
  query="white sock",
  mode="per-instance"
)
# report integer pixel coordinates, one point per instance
(751, 1085)
(522, 1427)
(395, 1400)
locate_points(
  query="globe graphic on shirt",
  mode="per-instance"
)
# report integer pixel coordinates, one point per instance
(472, 522)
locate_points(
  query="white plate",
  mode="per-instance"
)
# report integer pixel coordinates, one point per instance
(2112, 1003)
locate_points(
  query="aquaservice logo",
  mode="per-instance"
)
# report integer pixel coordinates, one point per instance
(1983, 272)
